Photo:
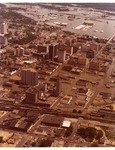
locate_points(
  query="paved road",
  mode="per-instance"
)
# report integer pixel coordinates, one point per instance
(31, 130)
(102, 81)
(4, 116)
(71, 137)
(97, 90)
(23, 141)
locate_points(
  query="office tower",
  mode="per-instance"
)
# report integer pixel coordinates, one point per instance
(53, 49)
(61, 56)
(42, 49)
(68, 49)
(29, 76)
(3, 40)
(3, 28)
(19, 52)
(31, 96)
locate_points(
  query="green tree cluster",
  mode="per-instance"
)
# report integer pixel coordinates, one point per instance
(90, 133)
(69, 131)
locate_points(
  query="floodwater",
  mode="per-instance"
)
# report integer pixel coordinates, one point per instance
(104, 27)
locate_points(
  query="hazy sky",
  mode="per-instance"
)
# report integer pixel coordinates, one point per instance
(5, 1)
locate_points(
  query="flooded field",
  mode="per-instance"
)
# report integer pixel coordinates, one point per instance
(103, 24)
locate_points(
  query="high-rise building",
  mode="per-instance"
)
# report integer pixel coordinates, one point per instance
(53, 49)
(68, 49)
(42, 49)
(3, 40)
(31, 96)
(29, 76)
(19, 52)
(3, 28)
(61, 55)
(42, 86)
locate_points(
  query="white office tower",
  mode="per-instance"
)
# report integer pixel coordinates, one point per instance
(29, 76)
(19, 52)
(3, 28)
(61, 56)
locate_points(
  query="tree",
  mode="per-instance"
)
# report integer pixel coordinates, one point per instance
(94, 144)
(69, 131)
(79, 111)
(99, 134)
(74, 111)
(1, 139)
(46, 142)
(75, 49)
(88, 133)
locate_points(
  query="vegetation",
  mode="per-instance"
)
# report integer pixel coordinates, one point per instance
(102, 6)
(16, 8)
(16, 17)
(90, 133)
(1, 139)
(2, 5)
(74, 111)
(46, 143)
(75, 49)
(94, 144)
(25, 40)
(69, 131)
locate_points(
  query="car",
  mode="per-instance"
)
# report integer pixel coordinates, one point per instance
(108, 85)
(113, 81)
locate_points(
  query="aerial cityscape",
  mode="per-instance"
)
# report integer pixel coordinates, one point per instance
(57, 75)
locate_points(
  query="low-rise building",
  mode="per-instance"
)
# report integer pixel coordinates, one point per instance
(58, 143)
(52, 121)
(94, 65)
(90, 54)
(82, 61)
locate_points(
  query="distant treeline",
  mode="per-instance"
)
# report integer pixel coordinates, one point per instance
(2, 5)
(102, 6)
(16, 17)
(30, 4)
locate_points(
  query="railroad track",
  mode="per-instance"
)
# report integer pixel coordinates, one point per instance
(108, 118)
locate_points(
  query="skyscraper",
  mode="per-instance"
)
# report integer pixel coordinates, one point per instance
(61, 55)
(29, 76)
(53, 49)
(3, 28)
